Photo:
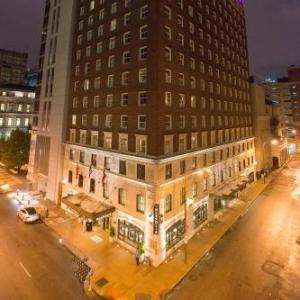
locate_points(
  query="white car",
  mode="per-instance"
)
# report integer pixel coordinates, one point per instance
(28, 214)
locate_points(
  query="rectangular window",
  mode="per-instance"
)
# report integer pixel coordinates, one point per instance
(140, 203)
(122, 196)
(122, 167)
(140, 172)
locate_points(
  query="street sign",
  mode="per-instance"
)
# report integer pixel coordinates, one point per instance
(156, 219)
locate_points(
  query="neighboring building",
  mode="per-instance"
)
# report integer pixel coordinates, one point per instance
(16, 106)
(294, 81)
(32, 77)
(12, 67)
(157, 115)
(279, 96)
(47, 148)
(261, 128)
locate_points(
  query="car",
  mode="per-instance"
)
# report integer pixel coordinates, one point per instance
(28, 214)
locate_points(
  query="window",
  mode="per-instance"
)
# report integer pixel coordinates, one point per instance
(142, 122)
(143, 32)
(143, 99)
(140, 172)
(175, 233)
(113, 25)
(124, 99)
(194, 189)
(121, 196)
(126, 57)
(182, 195)
(168, 99)
(144, 11)
(181, 121)
(108, 121)
(124, 121)
(168, 203)
(94, 160)
(168, 54)
(140, 203)
(143, 75)
(168, 122)
(81, 157)
(168, 171)
(168, 76)
(122, 167)
(92, 185)
(143, 53)
(80, 181)
(182, 167)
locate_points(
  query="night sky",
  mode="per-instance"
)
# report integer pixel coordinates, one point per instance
(273, 32)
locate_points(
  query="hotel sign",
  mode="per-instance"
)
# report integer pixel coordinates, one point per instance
(156, 219)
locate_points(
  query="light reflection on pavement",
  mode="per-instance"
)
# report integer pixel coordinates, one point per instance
(260, 257)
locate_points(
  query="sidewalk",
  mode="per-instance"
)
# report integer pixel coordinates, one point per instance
(118, 277)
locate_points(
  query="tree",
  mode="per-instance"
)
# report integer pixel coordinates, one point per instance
(15, 150)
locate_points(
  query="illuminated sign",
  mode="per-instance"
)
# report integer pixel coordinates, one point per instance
(156, 219)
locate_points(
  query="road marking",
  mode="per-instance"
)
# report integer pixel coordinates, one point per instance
(25, 270)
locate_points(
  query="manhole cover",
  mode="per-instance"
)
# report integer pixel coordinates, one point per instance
(102, 282)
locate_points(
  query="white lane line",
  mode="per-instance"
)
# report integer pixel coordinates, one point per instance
(25, 270)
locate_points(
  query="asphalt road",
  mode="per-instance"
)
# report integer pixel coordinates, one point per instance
(33, 264)
(260, 257)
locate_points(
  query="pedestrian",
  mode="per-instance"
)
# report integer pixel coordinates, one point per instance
(137, 256)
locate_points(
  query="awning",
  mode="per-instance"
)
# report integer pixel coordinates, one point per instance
(87, 206)
(228, 190)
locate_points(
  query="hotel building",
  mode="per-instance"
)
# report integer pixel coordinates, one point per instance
(153, 116)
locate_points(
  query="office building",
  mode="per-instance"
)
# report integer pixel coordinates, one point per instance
(12, 67)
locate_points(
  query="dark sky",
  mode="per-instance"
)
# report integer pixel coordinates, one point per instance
(273, 32)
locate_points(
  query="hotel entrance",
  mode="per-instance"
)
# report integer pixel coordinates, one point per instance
(105, 223)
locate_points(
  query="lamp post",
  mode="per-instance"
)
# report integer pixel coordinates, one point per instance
(189, 202)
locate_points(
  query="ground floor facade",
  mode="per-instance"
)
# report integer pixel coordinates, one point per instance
(158, 204)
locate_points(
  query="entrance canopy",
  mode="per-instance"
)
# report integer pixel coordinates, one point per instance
(228, 190)
(87, 206)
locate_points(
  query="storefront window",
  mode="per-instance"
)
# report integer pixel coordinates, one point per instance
(175, 233)
(200, 215)
(130, 233)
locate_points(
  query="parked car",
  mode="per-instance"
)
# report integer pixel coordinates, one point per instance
(28, 214)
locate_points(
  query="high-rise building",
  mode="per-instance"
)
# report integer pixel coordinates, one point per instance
(151, 115)
(12, 67)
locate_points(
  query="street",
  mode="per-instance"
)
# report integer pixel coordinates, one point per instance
(33, 264)
(260, 257)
